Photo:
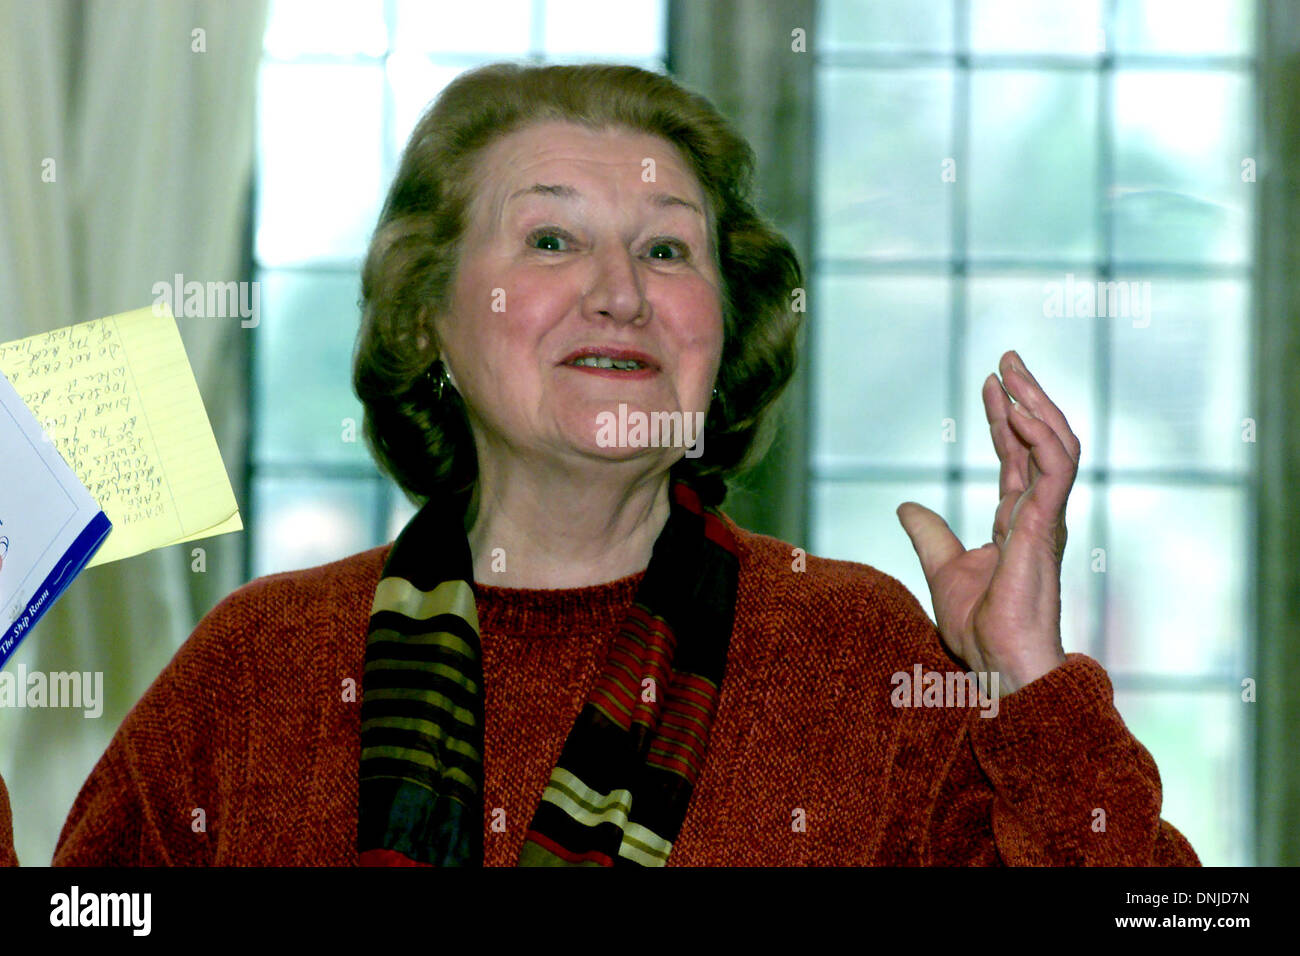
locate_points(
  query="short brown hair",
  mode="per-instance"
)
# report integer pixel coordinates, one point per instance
(426, 445)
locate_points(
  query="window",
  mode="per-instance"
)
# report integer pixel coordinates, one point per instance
(342, 84)
(982, 165)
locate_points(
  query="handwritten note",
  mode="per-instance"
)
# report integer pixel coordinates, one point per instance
(118, 398)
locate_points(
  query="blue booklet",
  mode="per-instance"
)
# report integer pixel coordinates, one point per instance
(50, 526)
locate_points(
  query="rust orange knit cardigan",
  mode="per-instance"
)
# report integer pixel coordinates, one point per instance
(255, 722)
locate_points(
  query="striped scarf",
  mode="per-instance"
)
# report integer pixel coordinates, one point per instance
(618, 794)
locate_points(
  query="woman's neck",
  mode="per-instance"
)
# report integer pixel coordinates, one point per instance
(538, 530)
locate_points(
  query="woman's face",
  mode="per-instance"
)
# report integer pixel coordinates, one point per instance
(578, 244)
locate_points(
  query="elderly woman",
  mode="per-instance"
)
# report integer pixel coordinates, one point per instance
(570, 656)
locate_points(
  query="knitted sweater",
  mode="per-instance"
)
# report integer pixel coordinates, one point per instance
(245, 750)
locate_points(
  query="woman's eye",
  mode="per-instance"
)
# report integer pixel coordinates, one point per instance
(553, 236)
(556, 240)
(672, 245)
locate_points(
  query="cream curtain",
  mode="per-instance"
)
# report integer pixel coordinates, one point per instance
(1277, 358)
(146, 109)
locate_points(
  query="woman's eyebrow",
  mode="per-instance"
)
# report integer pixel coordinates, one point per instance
(668, 199)
(560, 190)
(564, 191)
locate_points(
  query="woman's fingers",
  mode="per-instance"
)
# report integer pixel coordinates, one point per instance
(931, 537)
(1024, 388)
(1038, 450)
(1055, 465)
(1013, 455)
(1002, 517)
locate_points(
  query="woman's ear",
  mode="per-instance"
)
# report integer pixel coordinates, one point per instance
(425, 335)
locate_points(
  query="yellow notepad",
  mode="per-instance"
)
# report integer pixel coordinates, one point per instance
(118, 398)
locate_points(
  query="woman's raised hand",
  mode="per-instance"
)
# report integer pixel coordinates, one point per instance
(998, 607)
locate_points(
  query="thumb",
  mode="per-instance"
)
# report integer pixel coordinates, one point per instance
(933, 540)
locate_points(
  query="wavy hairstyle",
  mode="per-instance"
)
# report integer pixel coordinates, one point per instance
(425, 444)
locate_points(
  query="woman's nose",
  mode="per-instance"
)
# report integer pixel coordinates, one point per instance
(615, 291)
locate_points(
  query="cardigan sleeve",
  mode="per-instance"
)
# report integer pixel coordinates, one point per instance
(7, 855)
(117, 820)
(153, 797)
(1055, 778)
(111, 822)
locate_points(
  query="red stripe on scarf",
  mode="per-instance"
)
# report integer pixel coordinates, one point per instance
(714, 528)
(386, 858)
(689, 687)
(716, 531)
(591, 856)
(656, 632)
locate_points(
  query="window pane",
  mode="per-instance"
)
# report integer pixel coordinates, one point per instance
(1180, 138)
(1195, 740)
(302, 523)
(305, 406)
(1079, 590)
(1008, 313)
(881, 144)
(1185, 26)
(320, 160)
(855, 521)
(416, 82)
(1175, 577)
(885, 25)
(328, 27)
(1033, 166)
(1154, 577)
(598, 29)
(881, 389)
(492, 27)
(1180, 385)
(1062, 26)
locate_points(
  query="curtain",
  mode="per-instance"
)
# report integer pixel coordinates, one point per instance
(143, 114)
(743, 56)
(1277, 378)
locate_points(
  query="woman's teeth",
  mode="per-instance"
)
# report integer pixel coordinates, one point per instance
(601, 361)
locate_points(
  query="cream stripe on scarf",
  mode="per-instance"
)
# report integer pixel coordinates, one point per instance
(449, 597)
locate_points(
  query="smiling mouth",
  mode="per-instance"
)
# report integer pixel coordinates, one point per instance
(612, 361)
(603, 361)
